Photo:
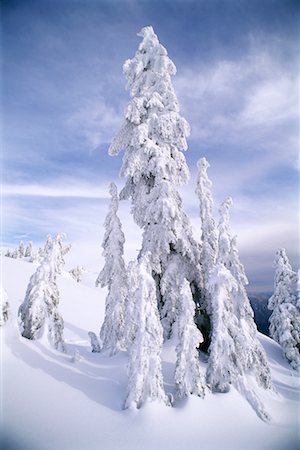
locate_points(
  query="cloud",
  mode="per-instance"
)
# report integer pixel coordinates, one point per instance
(66, 189)
(95, 121)
(251, 102)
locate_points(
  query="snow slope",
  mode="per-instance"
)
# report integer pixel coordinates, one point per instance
(55, 401)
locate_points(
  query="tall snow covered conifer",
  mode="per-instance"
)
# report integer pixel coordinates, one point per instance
(153, 136)
(42, 298)
(144, 369)
(113, 275)
(285, 317)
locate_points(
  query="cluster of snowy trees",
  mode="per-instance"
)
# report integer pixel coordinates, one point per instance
(23, 251)
(41, 301)
(285, 307)
(194, 291)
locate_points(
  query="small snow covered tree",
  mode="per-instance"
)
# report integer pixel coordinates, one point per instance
(285, 317)
(153, 137)
(95, 344)
(29, 250)
(42, 298)
(77, 273)
(234, 349)
(21, 250)
(4, 306)
(113, 275)
(188, 376)
(145, 371)
(254, 356)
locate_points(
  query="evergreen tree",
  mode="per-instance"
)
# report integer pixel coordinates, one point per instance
(29, 250)
(153, 137)
(113, 275)
(96, 348)
(208, 228)
(285, 317)
(188, 377)
(77, 273)
(234, 349)
(4, 306)
(254, 356)
(145, 372)
(21, 250)
(224, 364)
(130, 325)
(42, 298)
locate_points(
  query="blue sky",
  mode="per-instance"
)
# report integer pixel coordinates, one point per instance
(63, 97)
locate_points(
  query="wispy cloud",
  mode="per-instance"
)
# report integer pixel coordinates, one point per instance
(67, 189)
(251, 102)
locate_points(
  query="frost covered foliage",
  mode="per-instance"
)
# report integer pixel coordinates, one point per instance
(42, 297)
(224, 364)
(77, 273)
(254, 356)
(144, 369)
(4, 306)
(113, 275)
(208, 228)
(170, 285)
(285, 318)
(188, 376)
(96, 348)
(235, 349)
(153, 137)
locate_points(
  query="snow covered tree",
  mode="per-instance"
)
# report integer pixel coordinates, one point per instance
(235, 349)
(113, 275)
(130, 325)
(21, 250)
(144, 369)
(254, 356)
(4, 306)
(42, 298)
(285, 317)
(208, 228)
(77, 273)
(188, 376)
(153, 137)
(224, 364)
(29, 250)
(95, 344)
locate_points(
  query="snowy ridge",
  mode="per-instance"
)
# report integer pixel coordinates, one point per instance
(74, 401)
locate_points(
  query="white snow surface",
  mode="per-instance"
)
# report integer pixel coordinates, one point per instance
(57, 401)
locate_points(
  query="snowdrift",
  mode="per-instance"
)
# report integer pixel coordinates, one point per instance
(75, 400)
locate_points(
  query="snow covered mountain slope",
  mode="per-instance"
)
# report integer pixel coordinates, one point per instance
(74, 401)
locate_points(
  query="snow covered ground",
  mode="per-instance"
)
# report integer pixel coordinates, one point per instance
(74, 401)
